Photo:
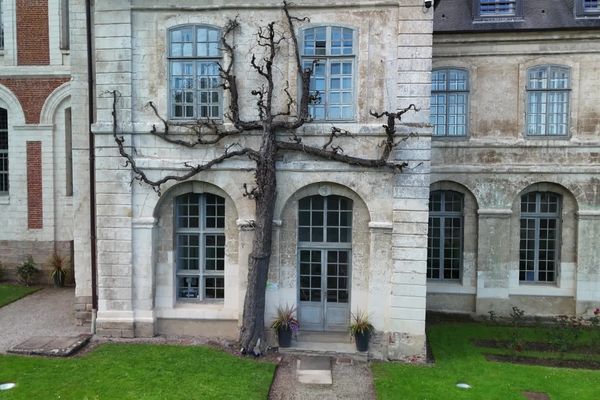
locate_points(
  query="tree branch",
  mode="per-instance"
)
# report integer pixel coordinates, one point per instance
(193, 170)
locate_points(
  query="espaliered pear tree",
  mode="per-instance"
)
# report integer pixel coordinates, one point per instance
(277, 128)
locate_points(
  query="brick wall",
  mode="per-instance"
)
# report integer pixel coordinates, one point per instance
(32, 93)
(35, 204)
(32, 32)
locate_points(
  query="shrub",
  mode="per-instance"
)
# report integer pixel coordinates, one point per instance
(27, 271)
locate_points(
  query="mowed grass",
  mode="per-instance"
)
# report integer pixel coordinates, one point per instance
(10, 293)
(457, 360)
(138, 371)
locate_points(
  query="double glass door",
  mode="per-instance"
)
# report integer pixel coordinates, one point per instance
(324, 289)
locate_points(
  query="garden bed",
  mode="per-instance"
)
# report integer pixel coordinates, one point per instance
(546, 362)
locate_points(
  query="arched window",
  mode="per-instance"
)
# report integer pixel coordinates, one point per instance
(195, 83)
(200, 246)
(548, 89)
(449, 102)
(539, 242)
(324, 247)
(3, 151)
(445, 236)
(330, 52)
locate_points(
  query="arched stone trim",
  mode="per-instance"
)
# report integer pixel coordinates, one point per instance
(9, 100)
(285, 269)
(564, 283)
(468, 276)
(53, 102)
(164, 248)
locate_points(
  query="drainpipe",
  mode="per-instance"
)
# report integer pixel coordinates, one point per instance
(92, 158)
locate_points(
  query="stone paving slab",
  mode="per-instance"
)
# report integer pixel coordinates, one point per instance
(51, 346)
(314, 370)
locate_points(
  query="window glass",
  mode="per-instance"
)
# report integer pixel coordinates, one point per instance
(547, 101)
(200, 246)
(195, 81)
(445, 235)
(3, 151)
(332, 80)
(449, 102)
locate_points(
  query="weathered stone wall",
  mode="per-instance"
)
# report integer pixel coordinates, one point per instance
(497, 163)
(135, 232)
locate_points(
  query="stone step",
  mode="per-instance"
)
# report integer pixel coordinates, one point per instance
(323, 337)
(326, 349)
(314, 370)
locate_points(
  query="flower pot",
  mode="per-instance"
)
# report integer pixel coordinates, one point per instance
(362, 341)
(285, 337)
(59, 278)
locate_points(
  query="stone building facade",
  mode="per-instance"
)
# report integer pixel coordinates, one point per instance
(515, 144)
(346, 238)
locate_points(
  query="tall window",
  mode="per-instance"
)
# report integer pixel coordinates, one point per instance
(330, 51)
(200, 244)
(325, 243)
(194, 56)
(547, 101)
(497, 7)
(1, 25)
(445, 236)
(539, 236)
(3, 151)
(64, 25)
(449, 100)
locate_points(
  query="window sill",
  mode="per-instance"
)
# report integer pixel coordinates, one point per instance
(547, 137)
(449, 286)
(463, 138)
(4, 199)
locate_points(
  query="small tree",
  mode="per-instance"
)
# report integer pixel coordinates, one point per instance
(269, 123)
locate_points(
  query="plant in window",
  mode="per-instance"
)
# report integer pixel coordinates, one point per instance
(285, 323)
(271, 119)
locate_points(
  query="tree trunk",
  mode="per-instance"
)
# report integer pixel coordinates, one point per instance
(253, 322)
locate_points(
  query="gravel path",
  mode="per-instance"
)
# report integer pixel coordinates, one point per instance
(48, 312)
(350, 382)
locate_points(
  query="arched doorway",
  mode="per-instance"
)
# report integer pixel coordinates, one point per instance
(324, 262)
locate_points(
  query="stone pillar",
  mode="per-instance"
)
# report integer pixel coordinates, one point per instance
(493, 270)
(587, 295)
(112, 27)
(143, 276)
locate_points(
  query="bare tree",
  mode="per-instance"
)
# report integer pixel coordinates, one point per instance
(272, 124)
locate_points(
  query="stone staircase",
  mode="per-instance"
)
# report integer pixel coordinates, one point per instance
(325, 344)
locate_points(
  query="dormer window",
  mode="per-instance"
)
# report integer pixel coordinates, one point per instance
(591, 6)
(497, 7)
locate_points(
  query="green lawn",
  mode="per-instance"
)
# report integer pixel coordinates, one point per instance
(138, 371)
(457, 360)
(10, 293)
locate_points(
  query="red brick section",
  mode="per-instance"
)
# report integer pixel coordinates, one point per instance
(35, 203)
(32, 32)
(32, 93)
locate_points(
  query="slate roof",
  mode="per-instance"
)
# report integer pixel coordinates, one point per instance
(454, 16)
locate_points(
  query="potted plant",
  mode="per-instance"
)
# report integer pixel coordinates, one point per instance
(59, 272)
(361, 329)
(285, 323)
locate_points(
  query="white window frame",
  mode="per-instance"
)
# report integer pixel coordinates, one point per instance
(4, 167)
(310, 60)
(531, 127)
(201, 232)
(447, 93)
(212, 60)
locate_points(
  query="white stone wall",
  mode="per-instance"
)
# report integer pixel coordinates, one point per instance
(136, 264)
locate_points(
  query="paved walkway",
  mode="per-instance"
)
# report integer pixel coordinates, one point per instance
(48, 312)
(350, 382)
